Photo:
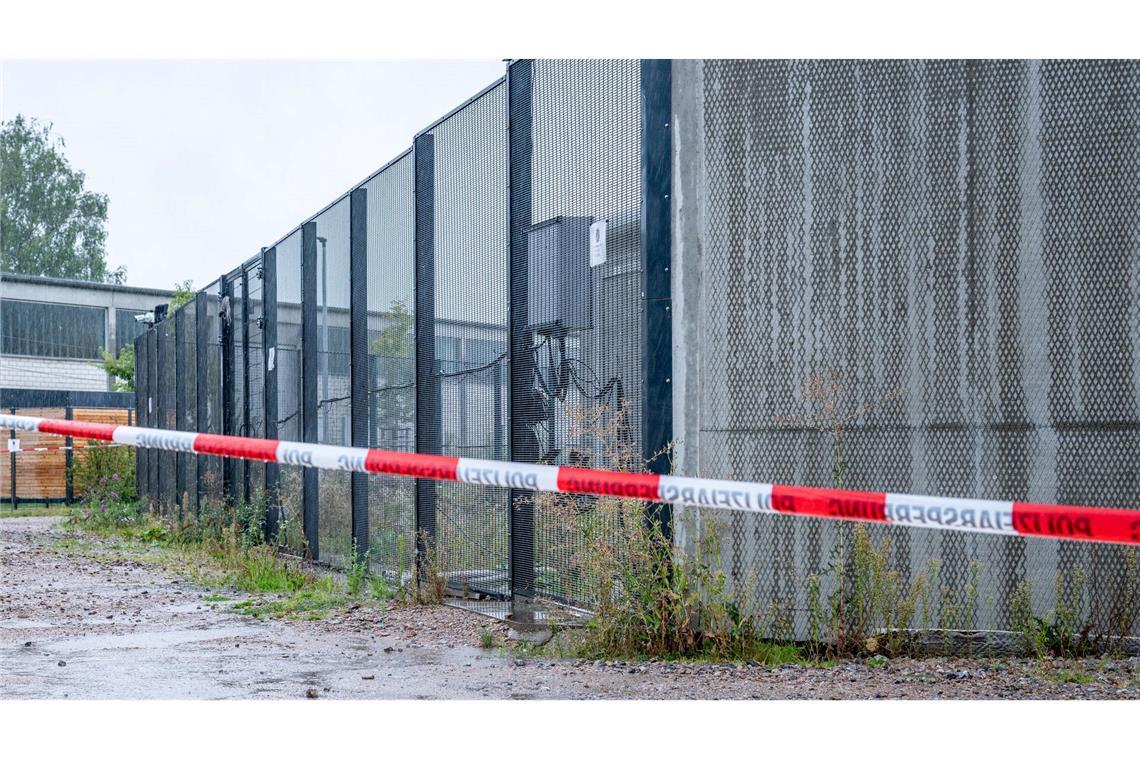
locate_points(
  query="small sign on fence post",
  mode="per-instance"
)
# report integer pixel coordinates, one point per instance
(13, 445)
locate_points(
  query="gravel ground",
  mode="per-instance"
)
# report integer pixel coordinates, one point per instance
(99, 624)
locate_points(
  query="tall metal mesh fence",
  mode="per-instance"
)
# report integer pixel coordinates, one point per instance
(255, 375)
(188, 405)
(918, 277)
(287, 358)
(470, 327)
(391, 366)
(334, 375)
(581, 349)
(893, 275)
(210, 467)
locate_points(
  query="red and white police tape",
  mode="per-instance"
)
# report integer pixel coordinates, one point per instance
(1121, 526)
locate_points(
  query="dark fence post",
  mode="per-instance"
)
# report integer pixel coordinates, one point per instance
(656, 240)
(245, 427)
(152, 459)
(140, 413)
(428, 432)
(12, 471)
(523, 447)
(69, 460)
(180, 484)
(269, 357)
(201, 384)
(311, 493)
(227, 340)
(358, 349)
(161, 403)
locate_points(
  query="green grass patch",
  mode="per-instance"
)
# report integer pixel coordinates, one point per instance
(1066, 676)
(35, 510)
(216, 598)
(312, 602)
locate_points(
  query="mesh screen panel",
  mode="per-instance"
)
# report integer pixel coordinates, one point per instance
(142, 417)
(583, 326)
(288, 360)
(255, 375)
(470, 315)
(188, 463)
(918, 277)
(391, 368)
(168, 420)
(236, 467)
(210, 467)
(334, 406)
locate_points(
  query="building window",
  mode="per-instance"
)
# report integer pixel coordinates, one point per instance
(127, 328)
(30, 328)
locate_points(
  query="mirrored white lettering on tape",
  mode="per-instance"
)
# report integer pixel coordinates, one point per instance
(19, 423)
(323, 456)
(533, 477)
(721, 494)
(974, 515)
(170, 440)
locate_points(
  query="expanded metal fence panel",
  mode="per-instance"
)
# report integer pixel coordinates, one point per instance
(167, 418)
(470, 325)
(287, 358)
(142, 417)
(919, 277)
(334, 376)
(255, 377)
(188, 405)
(235, 325)
(210, 467)
(152, 414)
(582, 341)
(391, 367)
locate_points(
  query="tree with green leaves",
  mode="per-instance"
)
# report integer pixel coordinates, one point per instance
(50, 224)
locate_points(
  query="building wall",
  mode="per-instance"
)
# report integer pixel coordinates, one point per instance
(920, 277)
(47, 373)
(70, 374)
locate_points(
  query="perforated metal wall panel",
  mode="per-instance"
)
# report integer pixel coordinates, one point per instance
(920, 277)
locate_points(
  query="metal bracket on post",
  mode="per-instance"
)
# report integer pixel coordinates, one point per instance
(201, 384)
(523, 447)
(428, 433)
(656, 240)
(358, 350)
(269, 360)
(309, 356)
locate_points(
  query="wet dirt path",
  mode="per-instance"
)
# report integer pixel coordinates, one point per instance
(100, 625)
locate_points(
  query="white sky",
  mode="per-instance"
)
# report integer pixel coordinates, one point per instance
(205, 162)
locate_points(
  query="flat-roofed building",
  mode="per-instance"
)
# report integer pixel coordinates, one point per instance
(53, 331)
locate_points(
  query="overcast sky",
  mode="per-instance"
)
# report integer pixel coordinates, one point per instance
(206, 162)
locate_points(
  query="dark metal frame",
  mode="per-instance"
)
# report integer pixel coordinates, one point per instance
(358, 349)
(428, 427)
(522, 446)
(269, 375)
(226, 326)
(657, 243)
(309, 396)
(201, 384)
